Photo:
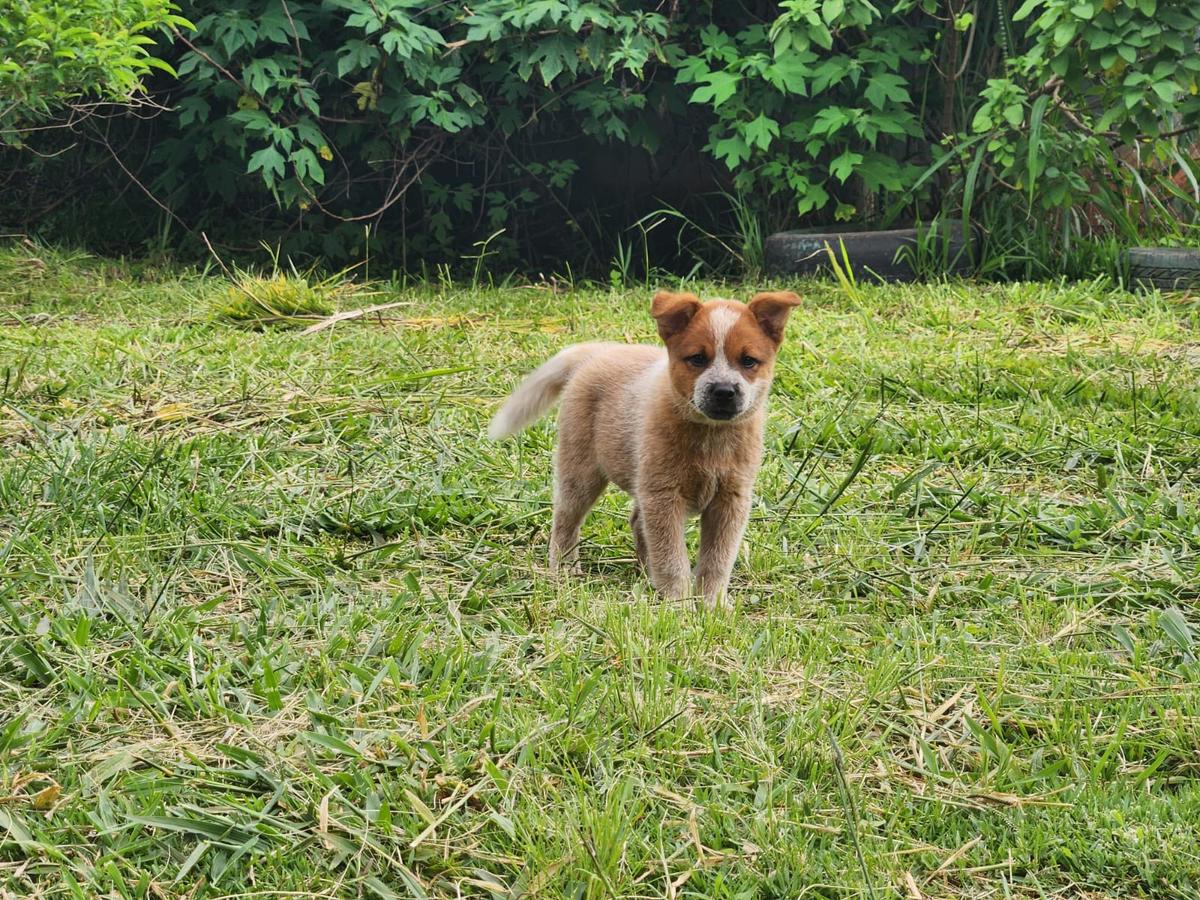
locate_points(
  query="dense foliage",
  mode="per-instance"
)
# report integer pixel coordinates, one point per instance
(1081, 129)
(538, 131)
(53, 54)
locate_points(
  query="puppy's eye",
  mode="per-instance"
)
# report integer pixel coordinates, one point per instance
(748, 362)
(699, 360)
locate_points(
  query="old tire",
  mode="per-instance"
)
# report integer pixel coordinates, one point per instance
(1165, 268)
(874, 255)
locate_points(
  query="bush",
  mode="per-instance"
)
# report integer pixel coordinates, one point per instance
(1077, 135)
(53, 54)
(338, 107)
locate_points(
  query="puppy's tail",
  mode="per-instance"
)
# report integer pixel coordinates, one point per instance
(539, 391)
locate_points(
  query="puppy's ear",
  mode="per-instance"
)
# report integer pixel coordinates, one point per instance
(770, 309)
(673, 312)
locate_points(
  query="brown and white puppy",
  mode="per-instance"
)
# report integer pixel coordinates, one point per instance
(680, 429)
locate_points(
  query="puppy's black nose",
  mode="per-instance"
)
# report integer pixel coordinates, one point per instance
(723, 393)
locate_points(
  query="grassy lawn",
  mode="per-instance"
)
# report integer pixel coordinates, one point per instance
(275, 619)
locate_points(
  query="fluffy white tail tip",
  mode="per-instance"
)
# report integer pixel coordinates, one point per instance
(537, 393)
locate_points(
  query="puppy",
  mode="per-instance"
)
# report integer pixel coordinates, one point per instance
(678, 428)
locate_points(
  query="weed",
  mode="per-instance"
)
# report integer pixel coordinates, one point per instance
(272, 300)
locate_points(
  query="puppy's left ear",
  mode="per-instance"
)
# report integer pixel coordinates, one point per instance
(771, 309)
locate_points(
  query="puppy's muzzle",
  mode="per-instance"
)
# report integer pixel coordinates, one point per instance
(722, 400)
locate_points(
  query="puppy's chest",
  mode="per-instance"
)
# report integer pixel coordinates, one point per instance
(700, 485)
(700, 490)
(700, 464)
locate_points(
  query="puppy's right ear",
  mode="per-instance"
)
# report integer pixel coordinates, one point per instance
(673, 312)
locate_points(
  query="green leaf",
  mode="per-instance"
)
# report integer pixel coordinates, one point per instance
(692, 70)
(820, 36)
(832, 9)
(275, 24)
(843, 166)
(308, 167)
(355, 55)
(1167, 91)
(830, 72)
(1034, 167)
(221, 832)
(552, 57)
(968, 196)
(484, 27)
(760, 131)
(886, 86)
(814, 197)
(12, 823)
(789, 73)
(410, 40)
(1176, 627)
(830, 119)
(1124, 638)
(879, 171)
(379, 888)
(329, 742)
(733, 150)
(1065, 33)
(535, 12)
(719, 87)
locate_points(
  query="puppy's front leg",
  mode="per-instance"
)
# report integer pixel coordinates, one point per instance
(721, 527)
(663, 516)
(639, 539)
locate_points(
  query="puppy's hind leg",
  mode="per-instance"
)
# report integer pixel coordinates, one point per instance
(575, 493)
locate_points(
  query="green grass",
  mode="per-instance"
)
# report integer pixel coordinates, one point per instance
(274, 618)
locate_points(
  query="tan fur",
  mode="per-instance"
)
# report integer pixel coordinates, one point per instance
(636, 416)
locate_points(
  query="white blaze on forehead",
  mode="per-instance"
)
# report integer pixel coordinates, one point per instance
(722, 321)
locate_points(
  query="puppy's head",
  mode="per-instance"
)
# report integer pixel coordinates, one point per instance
(722, 353)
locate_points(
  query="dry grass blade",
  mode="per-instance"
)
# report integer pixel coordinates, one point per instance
(347, 315)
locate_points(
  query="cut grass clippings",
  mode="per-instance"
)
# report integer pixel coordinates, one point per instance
(275, 620)
(259, 301)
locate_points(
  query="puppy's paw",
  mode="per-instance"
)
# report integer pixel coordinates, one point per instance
(715, 597)
(564, 569)
(564, 565)
(674, 587)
